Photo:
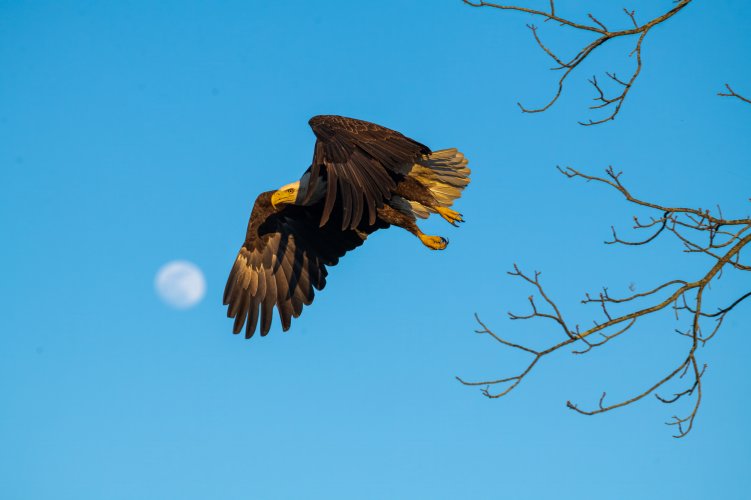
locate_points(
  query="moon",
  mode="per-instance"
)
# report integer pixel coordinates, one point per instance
(180, 284)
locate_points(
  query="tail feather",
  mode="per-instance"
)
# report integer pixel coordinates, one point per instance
(445, 173)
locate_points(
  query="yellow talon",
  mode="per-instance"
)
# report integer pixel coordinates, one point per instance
(433, 242)
(451, 216)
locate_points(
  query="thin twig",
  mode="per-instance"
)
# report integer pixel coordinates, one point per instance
(603, 35)
(732, 93)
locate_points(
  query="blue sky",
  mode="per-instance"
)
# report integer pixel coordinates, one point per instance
(132, 134)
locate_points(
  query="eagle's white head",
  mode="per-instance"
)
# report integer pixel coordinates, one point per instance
(295, 192)
(286, 195)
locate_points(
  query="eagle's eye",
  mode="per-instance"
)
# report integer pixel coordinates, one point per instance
(290, 190)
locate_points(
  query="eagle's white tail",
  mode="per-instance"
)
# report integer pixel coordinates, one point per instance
(445, 173)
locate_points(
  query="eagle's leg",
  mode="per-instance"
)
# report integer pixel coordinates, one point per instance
(397, 218)
(451, 216)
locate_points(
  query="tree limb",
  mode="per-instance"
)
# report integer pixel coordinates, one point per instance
(732, 93)
(602, 35)
(673, 220)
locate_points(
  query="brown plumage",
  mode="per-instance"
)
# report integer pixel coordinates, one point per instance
(362, 162)
(363, 177)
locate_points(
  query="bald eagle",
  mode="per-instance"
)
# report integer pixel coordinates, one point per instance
(363, 177)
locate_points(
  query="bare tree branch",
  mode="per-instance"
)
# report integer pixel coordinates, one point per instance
(725, 239)
(603, 35)
(732, 93)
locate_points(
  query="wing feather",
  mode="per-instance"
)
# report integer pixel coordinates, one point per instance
(269, 301)
(252, 316)
(283, 261)
(331, 188)
(240, 313)
(363, 160)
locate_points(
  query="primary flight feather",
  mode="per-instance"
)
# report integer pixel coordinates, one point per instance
(363, 177)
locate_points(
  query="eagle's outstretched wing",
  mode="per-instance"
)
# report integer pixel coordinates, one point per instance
(359, 161)
(283, 261)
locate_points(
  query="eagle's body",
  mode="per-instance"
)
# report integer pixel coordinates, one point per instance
(363, 177)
